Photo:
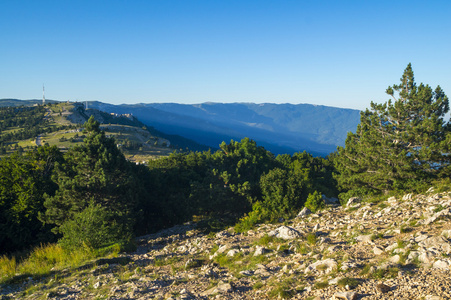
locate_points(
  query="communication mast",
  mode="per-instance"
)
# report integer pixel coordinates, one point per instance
(43, 95)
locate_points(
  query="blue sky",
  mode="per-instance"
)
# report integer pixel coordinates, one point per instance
(335, 53)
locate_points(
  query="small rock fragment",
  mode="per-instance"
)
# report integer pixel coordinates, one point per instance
(346, 295)
(395, 259)
(353, 201)
(378, 250)
(233, 252)
(382, 288)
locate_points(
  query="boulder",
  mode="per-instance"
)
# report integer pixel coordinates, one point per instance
(439, 243)
(224, 287)
(392, 200)
(260, 250)
(326, 265)
(378, 250)
(391, 247)
(395, 259)
(426, 257)
(221, 288)
(233, 252)
(368, 239)
(330, 201)
(285, 232)
(441, 264)
(353, 201)
(303, 213)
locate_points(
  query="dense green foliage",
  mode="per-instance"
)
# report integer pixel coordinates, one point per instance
(239, 178)
(91, 196)
(226, 182)
(315, 202)
(398, 143)
(24, 180)
(95, 173)
(95, 227)
(286, 187)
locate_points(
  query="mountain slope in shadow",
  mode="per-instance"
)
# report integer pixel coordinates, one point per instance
(280, 128)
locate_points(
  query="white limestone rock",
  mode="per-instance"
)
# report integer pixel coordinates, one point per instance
(285, 232)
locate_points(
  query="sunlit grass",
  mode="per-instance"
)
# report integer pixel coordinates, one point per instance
(7, 267)
(47, 258)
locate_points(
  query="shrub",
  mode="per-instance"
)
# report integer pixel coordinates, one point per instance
(315, 202)
(257, 215)
(94, 227)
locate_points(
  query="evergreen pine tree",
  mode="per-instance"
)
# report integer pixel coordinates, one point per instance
(396, 143)
(94, 173)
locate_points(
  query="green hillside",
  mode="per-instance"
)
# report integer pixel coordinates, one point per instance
(24, 125)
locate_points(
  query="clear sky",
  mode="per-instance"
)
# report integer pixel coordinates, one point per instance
(335, 53)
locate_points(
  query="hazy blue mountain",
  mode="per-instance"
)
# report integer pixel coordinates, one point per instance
(281, 128)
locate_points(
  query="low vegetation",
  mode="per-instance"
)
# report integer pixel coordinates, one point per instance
(45, 260)
(89, 199)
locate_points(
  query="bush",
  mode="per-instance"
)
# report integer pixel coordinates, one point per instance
(315, 202)
(94, 227)
(257, 215)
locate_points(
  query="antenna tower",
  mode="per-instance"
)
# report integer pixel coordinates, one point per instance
(43, 95)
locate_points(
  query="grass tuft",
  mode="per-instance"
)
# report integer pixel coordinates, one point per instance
(351, 282)
(311, 238)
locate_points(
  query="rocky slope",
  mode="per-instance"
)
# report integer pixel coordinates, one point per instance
(395, 249)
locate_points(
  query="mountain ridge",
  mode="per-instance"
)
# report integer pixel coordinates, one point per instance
(280, 128)
(289, 127)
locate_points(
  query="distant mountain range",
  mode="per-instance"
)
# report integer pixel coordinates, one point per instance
(280, 128)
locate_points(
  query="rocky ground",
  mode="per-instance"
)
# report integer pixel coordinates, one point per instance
(395, 249)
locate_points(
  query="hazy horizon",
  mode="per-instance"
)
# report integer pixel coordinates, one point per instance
(194, 103)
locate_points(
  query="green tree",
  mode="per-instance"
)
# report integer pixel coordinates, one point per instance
(283, 193)
(97, 173)
(240, 165)
(398, 142)
(170, 182)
